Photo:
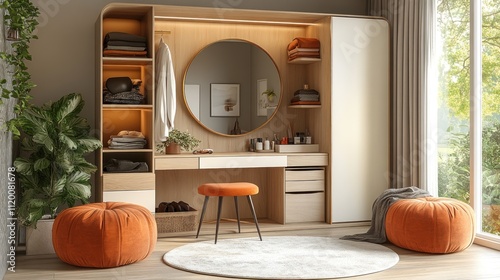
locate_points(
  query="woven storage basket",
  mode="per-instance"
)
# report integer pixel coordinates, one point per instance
(177, 221)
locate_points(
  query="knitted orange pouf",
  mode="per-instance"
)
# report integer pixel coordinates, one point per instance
(102, 235)
(430, 224)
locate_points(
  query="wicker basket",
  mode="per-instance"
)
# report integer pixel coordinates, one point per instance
(177, 221)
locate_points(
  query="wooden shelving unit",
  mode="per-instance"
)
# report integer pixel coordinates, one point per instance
(134, 187)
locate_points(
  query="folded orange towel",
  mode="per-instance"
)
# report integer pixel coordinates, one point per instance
(124, 53)
(301, 42)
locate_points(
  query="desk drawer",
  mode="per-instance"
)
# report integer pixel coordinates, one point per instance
(307, 160)
(128, 181)
(305, 186)
(304, 174)
(174, 163)
(305, 207)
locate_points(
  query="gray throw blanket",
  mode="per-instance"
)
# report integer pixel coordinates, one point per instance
(376, 232)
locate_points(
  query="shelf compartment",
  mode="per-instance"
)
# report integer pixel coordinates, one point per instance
(112, 60)
(146, 156)
(142, 72)
(126, 106)
(115, 120)
(304, 106)
(139, 24)
(304, 60)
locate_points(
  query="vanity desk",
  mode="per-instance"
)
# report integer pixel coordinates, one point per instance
(292, 185)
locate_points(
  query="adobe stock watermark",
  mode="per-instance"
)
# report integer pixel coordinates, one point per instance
(11, 219)
(362, 39)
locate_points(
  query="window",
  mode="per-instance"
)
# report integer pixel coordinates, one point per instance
(458, 125)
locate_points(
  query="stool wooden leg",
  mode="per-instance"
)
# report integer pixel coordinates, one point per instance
(202, 214)
(218, 218)
(237, 213)
(254, 216)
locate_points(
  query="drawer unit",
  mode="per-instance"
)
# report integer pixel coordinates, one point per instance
(304, 194)
(307, 160)
(305, 207)
(128, 181)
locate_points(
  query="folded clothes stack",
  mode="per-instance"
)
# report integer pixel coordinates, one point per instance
(305, 96)
(125, 166)
(303, 48)
(126, 140)
(124, 44)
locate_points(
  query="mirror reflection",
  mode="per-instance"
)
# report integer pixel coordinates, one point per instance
(232, 87)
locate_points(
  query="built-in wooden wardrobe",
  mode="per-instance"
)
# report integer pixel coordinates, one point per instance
(338, 183)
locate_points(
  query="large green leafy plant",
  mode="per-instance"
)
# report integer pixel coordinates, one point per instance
(52, 168)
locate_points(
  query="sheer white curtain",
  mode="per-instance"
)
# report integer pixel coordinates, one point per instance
(413, 115)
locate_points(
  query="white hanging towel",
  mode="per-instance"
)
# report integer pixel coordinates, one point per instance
(165, 93)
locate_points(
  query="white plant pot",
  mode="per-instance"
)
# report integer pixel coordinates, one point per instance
(39, 240)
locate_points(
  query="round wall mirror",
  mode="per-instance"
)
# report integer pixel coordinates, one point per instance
(232, 87)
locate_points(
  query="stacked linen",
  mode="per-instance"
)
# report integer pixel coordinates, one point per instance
(124, 44)
(126, 140)
(303, 48)
(305, 96)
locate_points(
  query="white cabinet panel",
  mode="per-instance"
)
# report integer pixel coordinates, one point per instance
(360, 116)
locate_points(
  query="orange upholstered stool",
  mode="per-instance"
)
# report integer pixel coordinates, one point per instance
(430, 224)
(102, 235)
(228, 189)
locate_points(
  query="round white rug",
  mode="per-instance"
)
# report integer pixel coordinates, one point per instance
(282, 257)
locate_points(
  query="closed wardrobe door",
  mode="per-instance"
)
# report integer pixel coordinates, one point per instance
(360, 116)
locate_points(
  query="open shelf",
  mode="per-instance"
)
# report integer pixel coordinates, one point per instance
(304, 106)
(304, 60)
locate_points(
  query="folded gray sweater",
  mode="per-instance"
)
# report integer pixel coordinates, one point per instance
(376, 232)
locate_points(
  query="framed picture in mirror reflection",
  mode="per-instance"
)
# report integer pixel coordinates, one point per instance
(224, 100)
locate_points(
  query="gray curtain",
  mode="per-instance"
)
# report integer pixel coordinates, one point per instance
(412, 27)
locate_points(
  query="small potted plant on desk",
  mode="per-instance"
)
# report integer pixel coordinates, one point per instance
(52, 169)
(178, 140)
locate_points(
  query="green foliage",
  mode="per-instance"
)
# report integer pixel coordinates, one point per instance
(20, 15)
(454, 66)
(454, 171)
(183, 139)
(53, 171)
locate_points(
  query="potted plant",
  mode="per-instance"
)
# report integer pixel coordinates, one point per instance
(270, 94)
(178, 140)
(52, 168)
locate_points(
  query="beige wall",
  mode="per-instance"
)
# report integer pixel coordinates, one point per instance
(63, 56)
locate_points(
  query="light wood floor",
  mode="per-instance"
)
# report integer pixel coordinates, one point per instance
(474, 263)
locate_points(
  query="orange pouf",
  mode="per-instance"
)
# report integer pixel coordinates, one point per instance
(430, 224)
(102, 235)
